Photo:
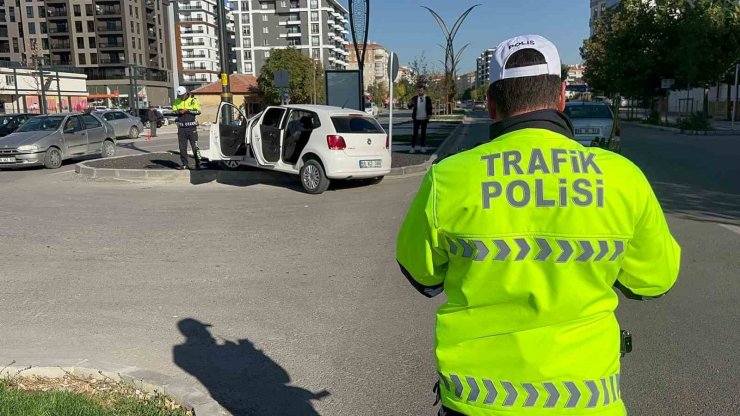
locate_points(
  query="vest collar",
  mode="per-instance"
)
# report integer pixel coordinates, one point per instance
(551, 120)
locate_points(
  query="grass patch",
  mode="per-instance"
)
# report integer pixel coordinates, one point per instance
(77, 396)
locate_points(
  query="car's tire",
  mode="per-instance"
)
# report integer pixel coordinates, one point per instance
(375, 181)
(53, 158)
(230, 165)
(313, 178)
(133, 133)
(108, 149)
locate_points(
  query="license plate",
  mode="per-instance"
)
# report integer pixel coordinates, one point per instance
(587, 131)
(7, 160)
(371, 164)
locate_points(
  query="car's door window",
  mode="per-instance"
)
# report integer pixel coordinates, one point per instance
(73, 123)
(273, 117)
(120, 116)
(109, 116)
(271, 134)
(90, 121)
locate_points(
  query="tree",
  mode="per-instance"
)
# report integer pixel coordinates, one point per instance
(306, 77)
(564, 71)
(379, 92)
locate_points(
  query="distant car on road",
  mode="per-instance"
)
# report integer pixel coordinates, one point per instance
(124, 125)
(166, 110)
(371, 108)
(10, 122)
(48, 140)
(144, 117)
(594, 124)
(479, 106)
(316, 143)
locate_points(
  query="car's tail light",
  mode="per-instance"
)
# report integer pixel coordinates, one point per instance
(336, 142)
(387, 141)
(618, 133)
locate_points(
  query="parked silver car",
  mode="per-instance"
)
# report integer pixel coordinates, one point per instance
(124, 124)
(50, 139)
(594, 124)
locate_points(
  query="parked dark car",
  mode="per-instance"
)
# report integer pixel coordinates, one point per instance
(10, 122)
(144, 116)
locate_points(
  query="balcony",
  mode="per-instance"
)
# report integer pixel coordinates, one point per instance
(151, 34)
(58, 29)
(52, 13)
(194, 55)
(109, 27)
(149, 4)
(60, 44)
(197, 43)
(194, 67)
(111, 45)
(112, 60)
(192, 19)
(5, 49)
(193, 32)
(61, 62)
(107, 11)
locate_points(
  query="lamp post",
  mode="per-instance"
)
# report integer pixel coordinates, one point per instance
(359, 20)
(224, 53)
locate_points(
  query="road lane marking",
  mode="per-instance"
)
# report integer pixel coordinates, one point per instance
(734, 228)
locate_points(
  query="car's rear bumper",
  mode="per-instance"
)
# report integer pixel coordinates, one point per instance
(25, 160)
(348, 167)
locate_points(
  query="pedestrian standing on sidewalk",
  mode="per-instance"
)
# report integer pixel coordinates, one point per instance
(187, 108)
(421, 107)
(153, 119)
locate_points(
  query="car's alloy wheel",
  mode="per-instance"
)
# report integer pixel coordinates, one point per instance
(134, 132)
(53, 158)
(313, 178)
(108, 150)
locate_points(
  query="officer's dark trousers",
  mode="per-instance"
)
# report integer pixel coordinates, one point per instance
(417, 125)
(185, 136)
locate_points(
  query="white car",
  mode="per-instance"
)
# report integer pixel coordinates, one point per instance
(318, 143)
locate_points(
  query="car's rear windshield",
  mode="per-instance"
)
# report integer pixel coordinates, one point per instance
(356, 124)
(587, 111)
(42, 123)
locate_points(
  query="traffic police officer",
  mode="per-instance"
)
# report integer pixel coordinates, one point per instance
(187, 108)
(527, 235)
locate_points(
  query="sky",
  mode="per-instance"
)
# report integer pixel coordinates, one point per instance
(402, 26)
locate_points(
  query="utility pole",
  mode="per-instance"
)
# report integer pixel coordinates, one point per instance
(226, 96)
(737, 90)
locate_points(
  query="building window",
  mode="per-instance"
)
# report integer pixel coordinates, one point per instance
(80, 43)
(283, 4)
(294, 42)
(31, 28)
(91, 41)
(248, 55)
(267, 54)
(314, 4)
(78, 10)
(263, 5)
(78, 26)
(314, 41)
(248, 42)
(130, 10)
(266, 42)
(44, 28)
(316, 54)
(137, 12)
(245, 19)
(265, 30)
(89, 10)
(42, 11)
(314, 28)
(10, 80)
(29, 11)
(91, 26)
(45, 43)
(248, 67)
(314, 16)
(11, 13)
(81, 59)
(245, 5)
(264, 17)
(15, 45)
(94, 58)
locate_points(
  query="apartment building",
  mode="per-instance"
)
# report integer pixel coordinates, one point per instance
(198, 42)
(598, 8)
(483, 67)
(316, 27)
(376, 65)
(121, 45)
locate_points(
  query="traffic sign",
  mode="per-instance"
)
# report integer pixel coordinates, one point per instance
(393, 67)
(282, 79)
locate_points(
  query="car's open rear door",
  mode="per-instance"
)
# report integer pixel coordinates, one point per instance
(228, 136)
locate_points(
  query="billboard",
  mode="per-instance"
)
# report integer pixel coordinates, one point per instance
(343, 89)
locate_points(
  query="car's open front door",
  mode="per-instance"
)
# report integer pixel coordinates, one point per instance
(228, 136)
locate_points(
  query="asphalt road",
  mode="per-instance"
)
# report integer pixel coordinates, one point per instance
(303, 293)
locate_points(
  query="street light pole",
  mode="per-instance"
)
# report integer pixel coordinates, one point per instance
(224, 49)
(737, 90)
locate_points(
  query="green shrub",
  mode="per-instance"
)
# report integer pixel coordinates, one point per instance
(695, 122)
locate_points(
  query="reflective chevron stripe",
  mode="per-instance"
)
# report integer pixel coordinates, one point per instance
(537, 248)
(588, 394)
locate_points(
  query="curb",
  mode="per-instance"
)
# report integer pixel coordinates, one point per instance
(684, 132)
(185, 394)
(441, 151)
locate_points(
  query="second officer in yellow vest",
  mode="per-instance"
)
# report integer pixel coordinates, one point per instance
(187, 109)
(527, 235)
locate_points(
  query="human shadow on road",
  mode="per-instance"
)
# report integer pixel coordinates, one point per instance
(241, 378)
(696, 204)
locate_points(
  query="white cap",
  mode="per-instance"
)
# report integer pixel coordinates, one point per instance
(507, 48)
(181, 91)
